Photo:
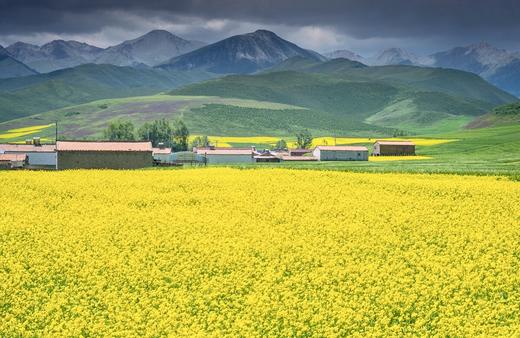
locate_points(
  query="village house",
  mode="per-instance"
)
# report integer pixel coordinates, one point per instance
(266, 156)
(104, 155)
(393, 148)
(162, 154)
(213, 155)
(39, 156)
(12, 161)
(341, 153)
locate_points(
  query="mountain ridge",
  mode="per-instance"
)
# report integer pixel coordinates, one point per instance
(242, 54)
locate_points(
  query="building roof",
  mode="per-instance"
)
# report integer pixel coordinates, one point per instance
(12, 157)
(396, 143)
(226, 151)
(162, 151)
(304, 151)
(263, 156)
(103, 146)
(298, 158)
(27, 148)
(342, 148)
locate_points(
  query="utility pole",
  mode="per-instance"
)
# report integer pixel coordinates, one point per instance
(56, 142)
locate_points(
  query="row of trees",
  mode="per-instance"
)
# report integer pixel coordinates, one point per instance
(303, 141)
(176, 135)
(173, 135)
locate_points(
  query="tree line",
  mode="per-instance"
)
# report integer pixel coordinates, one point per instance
(175, 135)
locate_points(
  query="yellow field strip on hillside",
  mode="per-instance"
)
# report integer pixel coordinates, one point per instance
(19, 132)
(268, 252)
(223, 141)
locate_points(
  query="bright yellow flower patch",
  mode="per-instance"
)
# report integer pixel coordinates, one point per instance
(19, 132)
(226, 141)
(260, 252)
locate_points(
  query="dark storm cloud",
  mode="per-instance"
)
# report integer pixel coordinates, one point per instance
(446, 20)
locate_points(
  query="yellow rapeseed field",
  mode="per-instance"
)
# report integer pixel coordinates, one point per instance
(19, 132)
(259, 252)
(228, 141)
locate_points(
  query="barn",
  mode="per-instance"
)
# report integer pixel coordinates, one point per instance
(12, 161)
(341, 153)
(393, 148)
(103, 155)
(226, 155)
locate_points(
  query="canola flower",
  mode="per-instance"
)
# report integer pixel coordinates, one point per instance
(261, 252)
(228, 141)
(19, 132)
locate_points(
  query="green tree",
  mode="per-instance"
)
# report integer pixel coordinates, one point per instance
(181, 136)
(120, 131)
(200, 142)
(158, 131)
(280, 145)
(304, 139)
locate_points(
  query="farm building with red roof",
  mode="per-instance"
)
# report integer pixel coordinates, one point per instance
(104, 155)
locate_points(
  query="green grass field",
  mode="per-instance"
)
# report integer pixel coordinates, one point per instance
(487, 151)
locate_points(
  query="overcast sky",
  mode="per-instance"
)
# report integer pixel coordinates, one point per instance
(364, 26)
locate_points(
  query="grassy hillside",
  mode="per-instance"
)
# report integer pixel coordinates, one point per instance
(391, 97)
(203, 115)
(508, 114)
(316, 91)
(448, 81)
(29, 95)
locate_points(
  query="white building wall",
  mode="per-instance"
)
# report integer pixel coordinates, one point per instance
(214, 159)
(43, 159)
(340, 155)
(38, 158)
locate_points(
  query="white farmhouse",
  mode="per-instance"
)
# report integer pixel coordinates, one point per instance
(214, 155)
(341, 153)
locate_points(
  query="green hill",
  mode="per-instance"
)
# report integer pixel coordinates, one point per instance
(39, 93)
(413, 99)
(448, 81)
(202, 115)
(504, 115)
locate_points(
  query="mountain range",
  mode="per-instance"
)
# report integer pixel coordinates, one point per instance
(10, 67)
(149, 50)
(395, 89)
(499, 66)
(241, 54)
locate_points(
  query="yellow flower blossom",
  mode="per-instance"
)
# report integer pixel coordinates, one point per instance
(263, 252)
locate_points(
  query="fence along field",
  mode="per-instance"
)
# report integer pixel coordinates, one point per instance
(276, 252)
